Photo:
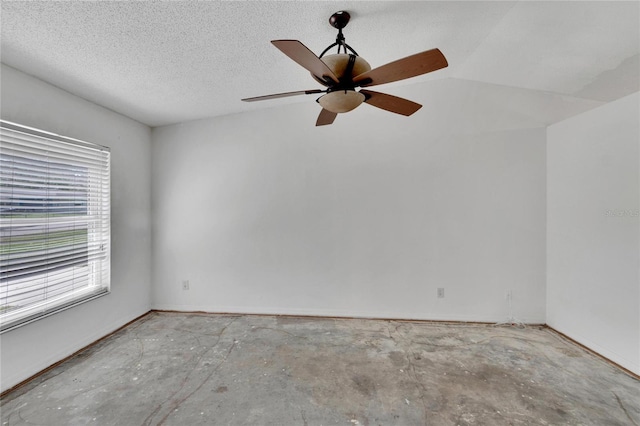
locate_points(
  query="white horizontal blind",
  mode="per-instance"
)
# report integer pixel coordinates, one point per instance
(54, 223)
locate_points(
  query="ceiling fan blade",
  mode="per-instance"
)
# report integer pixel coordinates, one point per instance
(390, 103)
(325, 117)
(411, 66)
(282, 95)
(306, 58)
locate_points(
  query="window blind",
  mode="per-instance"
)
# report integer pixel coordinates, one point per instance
(54, 223)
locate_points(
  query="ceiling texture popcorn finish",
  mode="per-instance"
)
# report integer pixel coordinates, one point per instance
(167, 62)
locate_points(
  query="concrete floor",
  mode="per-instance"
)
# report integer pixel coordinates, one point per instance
(196, 369)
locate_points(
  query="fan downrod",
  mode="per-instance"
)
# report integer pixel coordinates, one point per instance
(340, 19)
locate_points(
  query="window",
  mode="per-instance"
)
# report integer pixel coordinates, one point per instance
(54, 223)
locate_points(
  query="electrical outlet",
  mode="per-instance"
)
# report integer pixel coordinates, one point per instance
(185, 285)
(440, 293)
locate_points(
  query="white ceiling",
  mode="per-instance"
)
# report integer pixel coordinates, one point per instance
(167, 62)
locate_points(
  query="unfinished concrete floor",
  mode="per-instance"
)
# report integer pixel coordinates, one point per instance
(197, 369)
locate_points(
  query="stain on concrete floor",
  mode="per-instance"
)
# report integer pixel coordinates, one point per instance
(200, 369)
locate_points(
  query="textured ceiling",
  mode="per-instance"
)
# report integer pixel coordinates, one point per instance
(167, 62)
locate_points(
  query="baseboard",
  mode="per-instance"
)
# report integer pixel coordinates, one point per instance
(340, 313)
(334, 317)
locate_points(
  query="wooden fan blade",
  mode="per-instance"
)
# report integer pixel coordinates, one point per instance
(282, 95)
(411, 66)
(325, 117)
(390, 103)
(306, 58)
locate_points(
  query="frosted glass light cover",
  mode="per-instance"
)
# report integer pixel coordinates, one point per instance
(341, 100)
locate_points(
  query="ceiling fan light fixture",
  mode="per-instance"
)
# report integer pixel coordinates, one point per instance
(341, 100)
(343, 73)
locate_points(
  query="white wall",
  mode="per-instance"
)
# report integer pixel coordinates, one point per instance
(593, 245)
(31, 348)
(264, 213)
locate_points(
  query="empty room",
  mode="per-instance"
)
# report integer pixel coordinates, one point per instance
(316, 213)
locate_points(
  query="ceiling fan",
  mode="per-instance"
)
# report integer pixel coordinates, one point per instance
(343, 73)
